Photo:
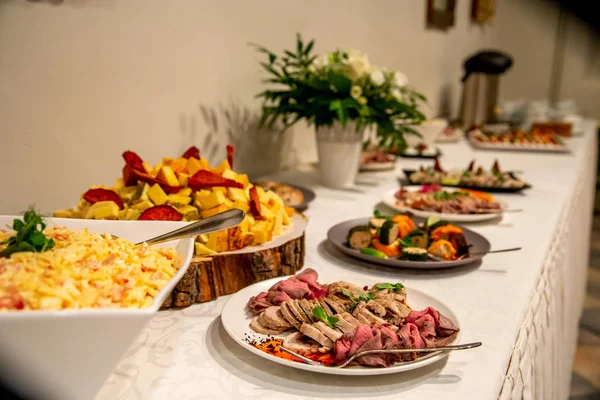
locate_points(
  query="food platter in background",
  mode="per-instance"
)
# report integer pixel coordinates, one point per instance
(494, 180)
(413, 198)
(421, 151)
(339, 235)
(450, 135)
(294, 196)
(237, 319)
(377, 160)
(517, 141)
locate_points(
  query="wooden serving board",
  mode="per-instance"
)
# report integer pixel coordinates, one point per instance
(210, 277)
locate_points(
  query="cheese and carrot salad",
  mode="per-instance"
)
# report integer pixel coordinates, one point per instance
(84, 270)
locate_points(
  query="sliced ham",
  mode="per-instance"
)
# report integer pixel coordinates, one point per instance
(315, 334)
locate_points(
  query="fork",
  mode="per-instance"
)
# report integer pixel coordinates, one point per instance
(478, 253)
(382, 351)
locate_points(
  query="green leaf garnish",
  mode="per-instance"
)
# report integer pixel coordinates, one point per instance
(319, 313)
(378, 214)
(396, 287)
(29, 235)
(407, 242)
(355, 300)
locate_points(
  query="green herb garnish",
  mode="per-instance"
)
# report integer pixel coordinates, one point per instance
(355, 300)
(396, 287)
(378, 214)
(319, 313)
(407, 242)
(29, 235)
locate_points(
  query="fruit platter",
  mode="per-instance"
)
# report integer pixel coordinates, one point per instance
(186, 189)
(475, 178)
(405, 241)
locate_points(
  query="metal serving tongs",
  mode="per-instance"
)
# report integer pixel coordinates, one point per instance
(478, 253)
(390, 351)
(218, 222)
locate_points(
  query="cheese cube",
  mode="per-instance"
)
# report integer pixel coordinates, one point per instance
(147, 167)
(243, 179)
(277, 224)
(212, 211)
(217, 241)
(183, 179)
(286, 218)
(64, 214)
(142, 205)
(267, 213)
(203, 250)
(236, 194)
(179, 165)
(268, 196)
(261, 194)
(103, 210)
(156, 169)
(228, 203)
(122, 214)
(142, 193)
(202, 238)
(119, 184)
(222, 167)
(185, 192)
(167, 176)
(157, 195)
(262, 232)
(190, 213)
(132, 214)
(128, 193)
(193, 165)
(176, 200)
(203, 192)
(241, 206)
(210, 201)
(220, 189)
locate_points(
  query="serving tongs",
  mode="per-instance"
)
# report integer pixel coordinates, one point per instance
(218, 222)
(478, 253)
(382, 351)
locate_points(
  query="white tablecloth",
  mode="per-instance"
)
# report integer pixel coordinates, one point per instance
(524, 306)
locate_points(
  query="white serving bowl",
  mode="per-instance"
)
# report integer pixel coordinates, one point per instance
(68, 354)
(430, 130)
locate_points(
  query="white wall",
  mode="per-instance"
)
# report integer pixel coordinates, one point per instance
(83, 81)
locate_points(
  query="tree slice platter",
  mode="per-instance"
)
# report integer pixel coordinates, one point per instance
(209, 277)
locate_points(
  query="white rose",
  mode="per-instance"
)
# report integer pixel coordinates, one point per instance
(395, 92)
(400, 80)
(377, 77)
(320, 62)
(358, 64)
(355, 92)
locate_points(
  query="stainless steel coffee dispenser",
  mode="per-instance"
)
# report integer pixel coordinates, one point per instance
(480, 86)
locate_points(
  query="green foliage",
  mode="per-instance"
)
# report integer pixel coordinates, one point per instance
(329, 88)
(29, 235)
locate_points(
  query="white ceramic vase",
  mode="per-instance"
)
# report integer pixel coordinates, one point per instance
(339, 151)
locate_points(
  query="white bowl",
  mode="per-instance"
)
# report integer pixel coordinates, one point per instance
(68, 354)
(430, 130)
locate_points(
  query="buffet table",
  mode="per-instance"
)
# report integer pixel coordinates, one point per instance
(524, 306)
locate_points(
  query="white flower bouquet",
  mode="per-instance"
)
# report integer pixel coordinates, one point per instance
(339, 86)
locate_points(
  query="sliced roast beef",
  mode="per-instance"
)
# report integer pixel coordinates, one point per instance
(300, 344)
(390, 340)
(272, 318)
(446, 327)
(331, 333)
(309, 276)
(413, 316)
(362, 334)
(342, 348)
(426, 325)
(289, 315)
(410, 338)
(373, 360)
(315, 334)
(293, 287)
(259, 303)
(258, 327)
(277, 297)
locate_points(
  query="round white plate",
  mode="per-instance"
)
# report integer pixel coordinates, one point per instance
(390, 200)
(236, 321)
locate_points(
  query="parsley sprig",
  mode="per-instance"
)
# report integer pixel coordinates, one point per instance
(319, 313)
(29, 235)
(356, 300)
(396, 286)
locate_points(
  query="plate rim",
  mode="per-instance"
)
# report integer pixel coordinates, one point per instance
(401, 263)
(357, 371)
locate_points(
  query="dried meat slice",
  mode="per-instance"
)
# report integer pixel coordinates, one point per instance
(192, 152)
(230, 155)
(255, 203)
(204, 179)
(161, 213)
(95, 195)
